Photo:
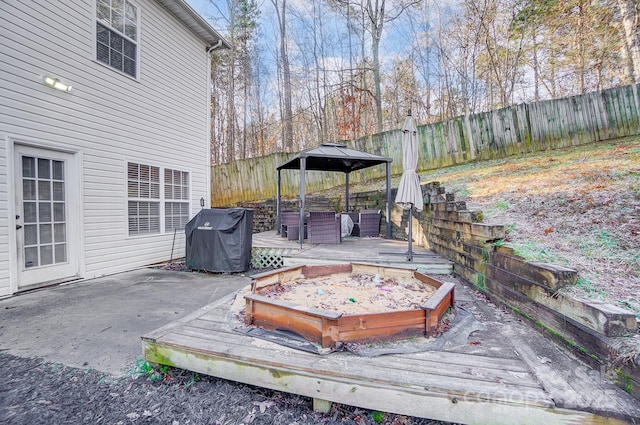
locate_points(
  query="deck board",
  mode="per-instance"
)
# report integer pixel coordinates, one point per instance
(364, 370)
(434, 375)
(448, 386)
(494, 371)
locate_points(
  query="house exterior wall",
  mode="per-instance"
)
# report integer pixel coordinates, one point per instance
(106, 120)
(4, 220)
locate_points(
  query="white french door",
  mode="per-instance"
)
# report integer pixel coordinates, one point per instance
(46, 207)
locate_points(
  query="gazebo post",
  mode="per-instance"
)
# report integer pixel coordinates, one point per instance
(388, 235)
(278, 206)
(346, 192)
(303, 169)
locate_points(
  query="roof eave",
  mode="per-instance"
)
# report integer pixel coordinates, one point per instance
(192, 20)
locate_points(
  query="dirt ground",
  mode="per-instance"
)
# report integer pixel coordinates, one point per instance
(33, 391)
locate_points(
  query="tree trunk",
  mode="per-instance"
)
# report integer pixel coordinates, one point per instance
(286, 80)
(286, 112)
(231, 113)
(376, 20)
(630, 10)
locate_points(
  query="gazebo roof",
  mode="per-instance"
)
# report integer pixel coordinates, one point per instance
(334, 157)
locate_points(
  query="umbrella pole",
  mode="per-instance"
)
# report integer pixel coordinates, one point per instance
(410, 253)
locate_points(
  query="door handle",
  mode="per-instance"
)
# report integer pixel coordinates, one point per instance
(18, 227)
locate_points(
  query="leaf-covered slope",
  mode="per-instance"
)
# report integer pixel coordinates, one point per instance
(577, 207)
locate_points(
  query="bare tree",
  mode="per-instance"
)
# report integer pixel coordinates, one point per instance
(286, 110)
(353, 100)
(421, 27)
(630, 11)
(461, 58)
(312, 47)
(376, 16)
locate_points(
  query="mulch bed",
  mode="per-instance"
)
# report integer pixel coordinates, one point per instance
(33, 391)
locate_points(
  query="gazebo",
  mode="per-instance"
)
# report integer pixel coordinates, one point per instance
(333, 157)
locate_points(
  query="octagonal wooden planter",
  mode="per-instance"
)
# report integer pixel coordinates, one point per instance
(329, 328)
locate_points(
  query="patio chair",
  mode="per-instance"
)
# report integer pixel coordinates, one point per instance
(324, 227)
(369, 223)
(290, 225)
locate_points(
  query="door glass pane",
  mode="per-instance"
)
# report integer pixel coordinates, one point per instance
(46, 255)
(59, 233)
(46, 235)
(29, 189)
(44, 168)
(30, 212)
(58, 212)
(58, 191)
(31, 256)
(31, 234)
(58, 170)
(44, 190)
(28, 167)
(61, 253)
(44, 209)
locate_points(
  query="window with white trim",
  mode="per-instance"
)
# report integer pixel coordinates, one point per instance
(153, 201)
(143, 187)
(117, 35)
(176, 195)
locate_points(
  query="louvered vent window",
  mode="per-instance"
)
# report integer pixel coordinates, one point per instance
(117, 35)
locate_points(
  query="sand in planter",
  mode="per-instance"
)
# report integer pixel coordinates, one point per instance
(352, 293)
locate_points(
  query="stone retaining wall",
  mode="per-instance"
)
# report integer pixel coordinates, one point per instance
(593, 330)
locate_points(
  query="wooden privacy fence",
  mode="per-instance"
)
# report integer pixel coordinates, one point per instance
(549, 124)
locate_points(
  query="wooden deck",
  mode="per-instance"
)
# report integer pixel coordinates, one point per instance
(352, 250)
(499, 380)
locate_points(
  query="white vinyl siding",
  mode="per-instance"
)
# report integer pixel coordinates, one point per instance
(108, 117)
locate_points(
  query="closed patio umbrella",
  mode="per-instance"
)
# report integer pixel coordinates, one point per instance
(409, 194)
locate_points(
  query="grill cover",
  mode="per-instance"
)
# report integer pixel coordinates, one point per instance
(219, 240)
